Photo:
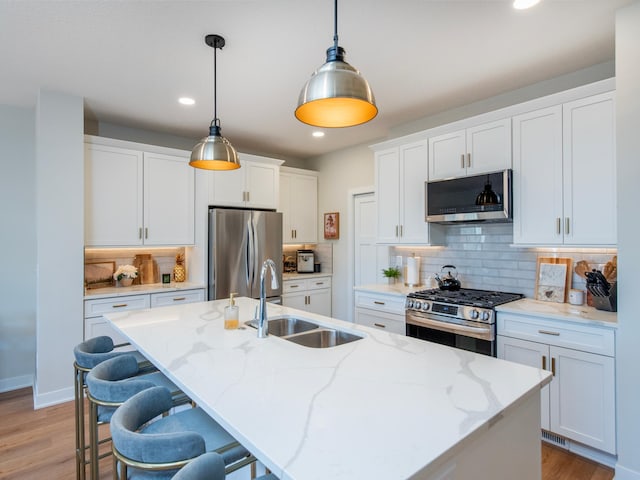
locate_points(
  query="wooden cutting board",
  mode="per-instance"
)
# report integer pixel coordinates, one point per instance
(553, 294)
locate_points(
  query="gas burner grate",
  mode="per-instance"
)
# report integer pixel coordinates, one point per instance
(467, 296)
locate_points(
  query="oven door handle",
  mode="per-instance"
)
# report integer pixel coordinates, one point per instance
(483, 333)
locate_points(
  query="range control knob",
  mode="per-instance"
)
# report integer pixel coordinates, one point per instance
(409, 303)
(474, 314)
(486, 316)
(417, 304)
(425, 306)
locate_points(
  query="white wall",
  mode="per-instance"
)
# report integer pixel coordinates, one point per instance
(59, 180)
(628, 148)
(339, 173)
(18, 244)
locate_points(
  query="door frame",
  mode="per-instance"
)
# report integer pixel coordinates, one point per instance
(352, 194)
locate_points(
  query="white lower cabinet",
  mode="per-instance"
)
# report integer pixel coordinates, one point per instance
(95, 324)
(381, 311)
(579, 403)
(308, 294)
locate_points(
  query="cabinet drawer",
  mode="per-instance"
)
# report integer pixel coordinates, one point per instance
(380, 302)
(100, 306)
(293, 286)
(174, 298)
(586, 338)
(318, 283)
(381, 321)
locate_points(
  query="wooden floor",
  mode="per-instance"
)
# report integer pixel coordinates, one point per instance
(40, 444)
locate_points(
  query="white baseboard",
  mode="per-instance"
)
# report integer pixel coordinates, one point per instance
(52, 398)
(623, 473)
(15, 383)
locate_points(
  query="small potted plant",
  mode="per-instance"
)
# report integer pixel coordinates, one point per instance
(392, 274)
(125, 274)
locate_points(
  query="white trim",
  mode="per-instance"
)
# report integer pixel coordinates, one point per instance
(52, 398)
(15, 383)
(351, 196)
(623, 473)
(299, 171)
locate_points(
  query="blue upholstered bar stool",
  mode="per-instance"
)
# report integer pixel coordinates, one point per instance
(87, 355)
(144, 449)
(109, 384)
(209, 466)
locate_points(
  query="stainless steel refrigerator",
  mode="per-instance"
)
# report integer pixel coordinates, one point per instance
(239, 241)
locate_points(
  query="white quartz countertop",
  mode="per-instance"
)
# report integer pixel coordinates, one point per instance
(386, 406)
(139, 289)
(398, 289)
(561, 311)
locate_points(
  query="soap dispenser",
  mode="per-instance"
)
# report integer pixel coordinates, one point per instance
(231, 314)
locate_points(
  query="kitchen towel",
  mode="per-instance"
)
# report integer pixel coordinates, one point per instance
(412, 272)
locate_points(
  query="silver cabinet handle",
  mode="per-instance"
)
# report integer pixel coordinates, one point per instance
(319, 283)
(544, 362)
(120, 305)
(468, 160)
(566, 226)
(558, 225)
(378, 303)
(140, 233)
(396, 230)
(379, 325)
(400, 230)
(294, 286)
(146, 232)
(179, 299)
(462, 161)
(547, 332)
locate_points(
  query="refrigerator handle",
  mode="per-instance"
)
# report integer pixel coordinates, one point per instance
(250, 255)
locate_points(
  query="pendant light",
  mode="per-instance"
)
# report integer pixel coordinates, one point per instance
(336, 95)
(214, 152)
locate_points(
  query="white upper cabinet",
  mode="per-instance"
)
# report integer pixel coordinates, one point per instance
(401, 173)
(479, 149)
(299, 205)
(254, 185)
(134, 197)
(564, 174)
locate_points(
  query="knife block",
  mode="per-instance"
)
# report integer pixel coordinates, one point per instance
(608, 303)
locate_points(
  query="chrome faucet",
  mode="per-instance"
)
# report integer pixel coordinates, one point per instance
(263, 324)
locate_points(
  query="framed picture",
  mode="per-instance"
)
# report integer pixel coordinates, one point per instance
(331, 226)
(553, 279)
(99, 274)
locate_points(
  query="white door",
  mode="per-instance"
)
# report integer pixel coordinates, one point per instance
(534, 355)
(365, 248)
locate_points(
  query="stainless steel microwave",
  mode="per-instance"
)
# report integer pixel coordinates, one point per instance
(476, 198)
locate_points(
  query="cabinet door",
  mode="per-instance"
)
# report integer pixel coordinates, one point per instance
(227, 188)
(304, 208)
(537, 177)
(387, 322)
(113, 196)
(387, 164)
(413, 171)
(319, 301)
(284, 207)
(447, 155)
(589, 162)
(534, 355)
(261, 184)
(489, 147)
(583, 398)
(295, 300)
(169, 200)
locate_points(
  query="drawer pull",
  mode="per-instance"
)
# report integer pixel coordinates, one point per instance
(120, 305)
(378, 303)
(179, 299)
(319, 283)
(547, 332)
(379, 325)
(294, 286)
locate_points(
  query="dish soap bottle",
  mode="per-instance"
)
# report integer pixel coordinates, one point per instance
(231, 314)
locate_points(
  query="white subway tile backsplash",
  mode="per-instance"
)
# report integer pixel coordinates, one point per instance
(485, 259)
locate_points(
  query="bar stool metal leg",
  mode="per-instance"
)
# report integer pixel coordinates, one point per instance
(81, 447)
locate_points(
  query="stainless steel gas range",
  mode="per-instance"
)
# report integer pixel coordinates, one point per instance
(462, 318)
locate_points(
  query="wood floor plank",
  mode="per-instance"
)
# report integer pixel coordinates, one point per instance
(40, 444)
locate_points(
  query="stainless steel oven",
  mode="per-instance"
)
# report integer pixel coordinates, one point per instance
(463, 318)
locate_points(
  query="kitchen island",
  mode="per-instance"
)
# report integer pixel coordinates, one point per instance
(385, 406)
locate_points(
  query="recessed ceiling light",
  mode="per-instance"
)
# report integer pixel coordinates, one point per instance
(524, 4)
(186, 101)
(318, 134)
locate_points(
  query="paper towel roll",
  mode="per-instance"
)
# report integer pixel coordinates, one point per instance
(412, 277)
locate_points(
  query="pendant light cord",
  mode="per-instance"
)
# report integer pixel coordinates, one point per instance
(215, 87)
(335, 25)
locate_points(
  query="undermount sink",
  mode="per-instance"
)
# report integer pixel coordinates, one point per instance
(323, 338)
(284, 326)
(306, 333)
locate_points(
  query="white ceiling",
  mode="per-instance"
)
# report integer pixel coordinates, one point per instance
(131, 60)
